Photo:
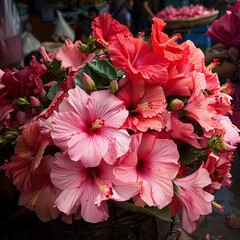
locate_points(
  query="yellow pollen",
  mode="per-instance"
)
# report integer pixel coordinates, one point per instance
(99, 123)
(103, 187)
(144, 107)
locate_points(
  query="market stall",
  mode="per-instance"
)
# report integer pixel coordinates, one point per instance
(191, 21)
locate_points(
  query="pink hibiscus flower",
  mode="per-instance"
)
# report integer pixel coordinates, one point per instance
(88, 127)
(105, 29)
(196, 57)
(29, 151)
(146, 104)
(221, 103)
(197, 106)
(194, 200)
(87, 188)
(182, 132)
(219, 167)
(153, 163)
(179, 83)
(42, 195)
(232, 132)
(71, 56)
(138, 60)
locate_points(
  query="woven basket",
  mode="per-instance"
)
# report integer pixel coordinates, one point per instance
(191, 22)
(122, 225)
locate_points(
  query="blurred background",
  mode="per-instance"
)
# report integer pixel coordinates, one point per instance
(27, 25)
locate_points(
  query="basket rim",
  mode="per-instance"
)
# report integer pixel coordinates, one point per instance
(191, 22)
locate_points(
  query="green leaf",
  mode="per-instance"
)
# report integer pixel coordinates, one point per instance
(55, 66)
(120, 73)
(104, 68)
(163, 213)
(189, 154)
(53, 91)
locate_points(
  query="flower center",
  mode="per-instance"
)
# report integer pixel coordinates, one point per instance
(140, 165)
(99, 123)
(144, 106)
(103, 188)
(25, 155)
(94, 174)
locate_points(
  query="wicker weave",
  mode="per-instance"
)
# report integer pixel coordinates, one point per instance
(122, 225)
(191, 22)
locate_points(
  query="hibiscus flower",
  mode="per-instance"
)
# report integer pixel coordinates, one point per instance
(42, 194)
(87, 188)
(71, 56)
(194, 200)
(167, 46)
(88, 127)
(153, 163)
(182, 132)
(146, 104)
(105, 29)
(29, 151)
(136, 57)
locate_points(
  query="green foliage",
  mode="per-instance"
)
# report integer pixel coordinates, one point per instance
(163, 213)
(189, 154)
(216, 144)
(53, 90)
(102, 72)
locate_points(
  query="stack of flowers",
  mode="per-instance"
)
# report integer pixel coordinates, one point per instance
(118, 119)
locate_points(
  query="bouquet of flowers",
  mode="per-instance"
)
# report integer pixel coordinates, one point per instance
(144, 125)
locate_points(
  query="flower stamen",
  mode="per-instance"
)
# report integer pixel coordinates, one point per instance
(104, 188)
(99, 123)
(213, 64)
(33, 201)
(144, 107)
(176, 36)
(218, 206)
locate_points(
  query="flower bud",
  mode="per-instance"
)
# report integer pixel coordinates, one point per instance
(44, 54)
(88, 83)
(113, 86)
(35, 102)
(176, 104)
(83, 47)
(22, 102)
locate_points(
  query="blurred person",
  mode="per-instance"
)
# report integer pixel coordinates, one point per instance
(227, 57)
(156, 5)
(84, 28)
(141, 12)
(220, 5)
(225, 33)
(121, 11)
(10, 35)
